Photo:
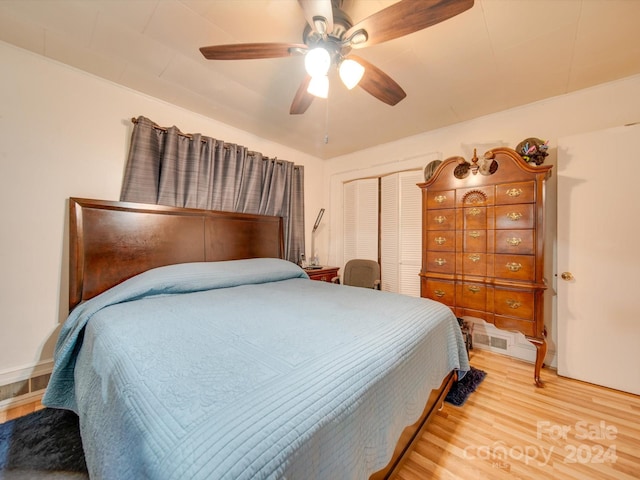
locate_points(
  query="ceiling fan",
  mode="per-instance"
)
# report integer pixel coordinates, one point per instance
(329, 37)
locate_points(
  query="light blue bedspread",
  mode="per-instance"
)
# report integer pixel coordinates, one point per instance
(248, 369)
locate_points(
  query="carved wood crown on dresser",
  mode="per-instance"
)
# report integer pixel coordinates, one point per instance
(483, 242)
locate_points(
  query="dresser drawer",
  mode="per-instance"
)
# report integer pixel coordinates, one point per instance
(518, 242)
(441, 262)
(514, 217)
(475, 218)
(441, 240)
(438, 290)
(513, 303)
(472, 295)
(510, 193)
(475, 196)
(475, 240)
(514, 267)
(442, 219)
(441, 199)
(526, 327)
(474, 263)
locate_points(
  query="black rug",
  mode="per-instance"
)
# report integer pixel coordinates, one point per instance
(44, 444)
(461, 390)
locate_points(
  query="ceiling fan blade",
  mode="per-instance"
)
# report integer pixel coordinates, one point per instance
(250, 51)
(405, 17)
(378, 83)
(318, 9)
(303, 99)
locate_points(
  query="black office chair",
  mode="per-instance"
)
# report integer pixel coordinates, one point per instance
(361, 273)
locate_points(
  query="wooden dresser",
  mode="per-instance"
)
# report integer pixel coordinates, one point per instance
(324, 274)
(483, 242)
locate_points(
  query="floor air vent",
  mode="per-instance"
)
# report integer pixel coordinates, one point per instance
(498, 342)
(489, 341)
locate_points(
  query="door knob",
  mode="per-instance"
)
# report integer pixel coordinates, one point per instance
(566, 276)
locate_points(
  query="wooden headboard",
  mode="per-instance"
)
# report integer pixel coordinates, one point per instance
(110, 242)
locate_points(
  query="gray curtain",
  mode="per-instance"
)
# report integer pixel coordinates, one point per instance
(167, 167)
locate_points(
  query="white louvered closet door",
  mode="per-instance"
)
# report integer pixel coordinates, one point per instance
(400, 232)
(390, 233)
(361, 220)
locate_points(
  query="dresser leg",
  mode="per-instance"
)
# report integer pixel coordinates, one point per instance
(541, 353)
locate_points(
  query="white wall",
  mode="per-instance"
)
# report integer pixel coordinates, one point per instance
(65, 133)
(596, 108)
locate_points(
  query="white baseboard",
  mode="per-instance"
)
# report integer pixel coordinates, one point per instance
(25, 372)
(10, 403)
(23, 384)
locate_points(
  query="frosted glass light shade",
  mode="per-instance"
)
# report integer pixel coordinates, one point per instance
(351, 73)
(319, 86)
(317, 62)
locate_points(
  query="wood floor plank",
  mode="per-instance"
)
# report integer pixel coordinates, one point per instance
(510, 429)
(21, 410)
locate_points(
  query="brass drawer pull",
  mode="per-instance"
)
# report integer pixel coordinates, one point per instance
(513, 304)
(514, 216)
(440, 219)
(475, 211)
(514, 241)
(474, 289)
(514, 192)
(474, 234)
(438, 293)
(514, 267)
(474, 257)
(440, 198)
(440, 240)
(440, 261)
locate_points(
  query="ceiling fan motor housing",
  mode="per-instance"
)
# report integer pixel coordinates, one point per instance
(331, 41)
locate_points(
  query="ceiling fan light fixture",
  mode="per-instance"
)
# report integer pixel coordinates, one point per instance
(356, 38)
(320, 23)
(317, 62)
(351, 73)
(319, 86)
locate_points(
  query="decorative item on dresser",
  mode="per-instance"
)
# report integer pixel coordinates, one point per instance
(324, 274)
(483, 242)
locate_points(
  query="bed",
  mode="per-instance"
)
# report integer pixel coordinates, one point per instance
(193, 350)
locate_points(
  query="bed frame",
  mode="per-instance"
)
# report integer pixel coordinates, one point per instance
(110, 242)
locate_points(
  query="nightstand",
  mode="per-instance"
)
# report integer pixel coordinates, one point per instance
(323, 274)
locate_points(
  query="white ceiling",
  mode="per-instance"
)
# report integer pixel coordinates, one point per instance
(497, 55)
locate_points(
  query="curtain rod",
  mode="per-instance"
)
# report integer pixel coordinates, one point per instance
(190, 137)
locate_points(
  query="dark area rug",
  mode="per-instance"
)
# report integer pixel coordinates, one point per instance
(461, 389)
(44, 444)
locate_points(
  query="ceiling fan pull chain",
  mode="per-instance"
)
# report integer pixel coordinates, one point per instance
(326, 123)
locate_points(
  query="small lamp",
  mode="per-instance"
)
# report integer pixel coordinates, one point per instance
(318, 220)
(314, 259)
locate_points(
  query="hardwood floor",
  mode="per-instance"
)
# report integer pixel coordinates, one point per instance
(510, 429)
(20, 411)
